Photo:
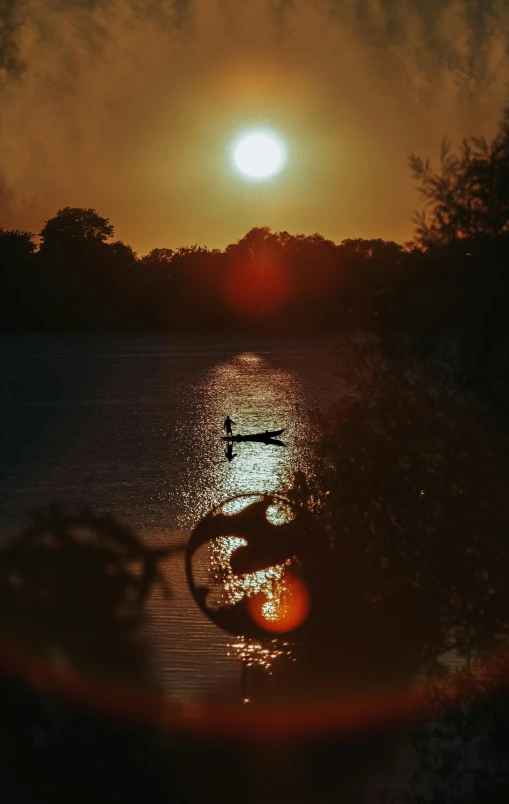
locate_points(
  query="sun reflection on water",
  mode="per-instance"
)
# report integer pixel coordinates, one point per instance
(268, 582)
(231, 507)
(253, 654)
(280, 514)
(258, 397)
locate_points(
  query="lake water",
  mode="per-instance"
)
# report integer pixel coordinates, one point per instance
(131, 425)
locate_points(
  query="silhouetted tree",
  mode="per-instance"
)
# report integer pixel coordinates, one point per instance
(90, 283)
(448, 298)
(159, 259)
(156, 287)
(18, 302)
(75, 225)
(15, 245)
(468, 196)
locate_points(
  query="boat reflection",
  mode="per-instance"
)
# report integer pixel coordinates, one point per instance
(229, 452)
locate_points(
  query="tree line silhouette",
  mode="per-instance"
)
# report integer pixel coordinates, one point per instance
(78, 278)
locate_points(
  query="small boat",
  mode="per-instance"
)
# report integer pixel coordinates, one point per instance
(266, 436)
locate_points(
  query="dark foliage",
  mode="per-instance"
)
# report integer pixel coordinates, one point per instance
(414, 487)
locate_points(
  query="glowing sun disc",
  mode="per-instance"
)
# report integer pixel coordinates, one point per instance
(259, 155)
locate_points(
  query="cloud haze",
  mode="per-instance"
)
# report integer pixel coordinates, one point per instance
(129, 106)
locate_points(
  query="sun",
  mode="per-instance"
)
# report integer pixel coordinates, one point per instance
(259, 154)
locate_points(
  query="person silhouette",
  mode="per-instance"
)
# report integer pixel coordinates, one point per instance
(230, 454)
(228, 425)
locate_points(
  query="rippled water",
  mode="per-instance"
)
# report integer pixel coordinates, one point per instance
(132, 426)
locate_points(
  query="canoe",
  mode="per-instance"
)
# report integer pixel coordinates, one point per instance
(255, 436)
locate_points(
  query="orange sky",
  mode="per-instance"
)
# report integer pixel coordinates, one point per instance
(135, 115)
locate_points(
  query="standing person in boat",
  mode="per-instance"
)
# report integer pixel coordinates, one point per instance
(228, 425)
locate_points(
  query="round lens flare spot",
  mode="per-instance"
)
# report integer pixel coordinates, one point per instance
(259, 155)
(283, 613)
(257, 287)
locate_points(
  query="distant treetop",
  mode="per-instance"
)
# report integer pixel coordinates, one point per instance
(78, 225)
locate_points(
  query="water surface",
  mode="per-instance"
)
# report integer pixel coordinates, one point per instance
(131, 425)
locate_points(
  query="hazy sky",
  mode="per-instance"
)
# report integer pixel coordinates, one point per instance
(131, 106)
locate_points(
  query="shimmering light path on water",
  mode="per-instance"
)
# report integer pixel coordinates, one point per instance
(258, 396)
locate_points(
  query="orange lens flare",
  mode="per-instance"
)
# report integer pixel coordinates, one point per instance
(257, 287)
(284, 613)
